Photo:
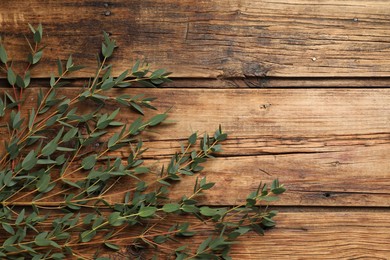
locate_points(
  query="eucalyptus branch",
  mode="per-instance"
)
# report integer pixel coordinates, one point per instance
(60, 160)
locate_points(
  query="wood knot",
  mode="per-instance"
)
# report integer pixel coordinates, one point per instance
(335, 163)
(265, 106)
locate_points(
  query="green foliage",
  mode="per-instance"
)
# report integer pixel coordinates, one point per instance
(59, 172)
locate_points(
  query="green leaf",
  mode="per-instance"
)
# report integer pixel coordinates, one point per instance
(108, 46)
(190, 209)
(171, 207)
(20, 217)
(157, 119)
(204, 245)
(135, 126)
(192, 138)
(146, 83)
(157, 73)
(113, 140)
(136, 107)
(69, 62)
(43, 182)
(60, 68)
(87, 235)
(89, 162)
(2, 108)
(52, 80)
(147, 212)
(207, 186)
(135, 66)
(19, 81)
(141, 170)
(160, 239)
(27, 79)
(46, 161)
(259, 230)
(219, 242)
(31, 28)
(37, 37)
(11, 77)
(71, 183)
(112, 246)
(238, 232)
(221, 137)
(58, 256)
(41, 240)
(36, 57)
(278, 190)
(29, 161)
(40, 29)
(208, 212)
(121, 77)
(115, 219)
(49, 148)
(16, 120)
(7, 227)
(269, 198)
(267, 222)
(3, 54)
(108, 84)
(70, 134)
(76, 68)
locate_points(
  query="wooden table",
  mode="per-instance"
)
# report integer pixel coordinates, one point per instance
(300, 86)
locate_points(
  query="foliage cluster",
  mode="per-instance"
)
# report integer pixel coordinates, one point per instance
(60, 167)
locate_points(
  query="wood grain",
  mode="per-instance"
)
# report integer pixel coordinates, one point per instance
(308, 235)
(300, 234)
(321, 235)
(297, 115)
(329, 146)
(212, 39)
(235, 64)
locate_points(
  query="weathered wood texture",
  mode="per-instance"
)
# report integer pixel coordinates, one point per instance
(328, 139)
(321, 235)
(311, 234)
(327, 150)
(300, 234)
(214, 38)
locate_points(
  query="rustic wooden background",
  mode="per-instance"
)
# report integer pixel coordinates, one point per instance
(300, 85)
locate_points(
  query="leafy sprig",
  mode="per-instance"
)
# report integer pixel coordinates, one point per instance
(58, 176)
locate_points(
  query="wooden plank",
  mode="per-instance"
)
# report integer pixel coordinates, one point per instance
(277, 82)
(298, 114)
(319, 234)
(329, 146)
(299, 234)
(358, 177)
(210, 39)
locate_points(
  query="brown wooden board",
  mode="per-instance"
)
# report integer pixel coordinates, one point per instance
(235, 64)
(329, 146)
(305, 235)
(299, 234)
(321, 235)
(210, 39)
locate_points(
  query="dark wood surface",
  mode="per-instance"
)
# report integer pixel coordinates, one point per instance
(301, 87)
(210, 39)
